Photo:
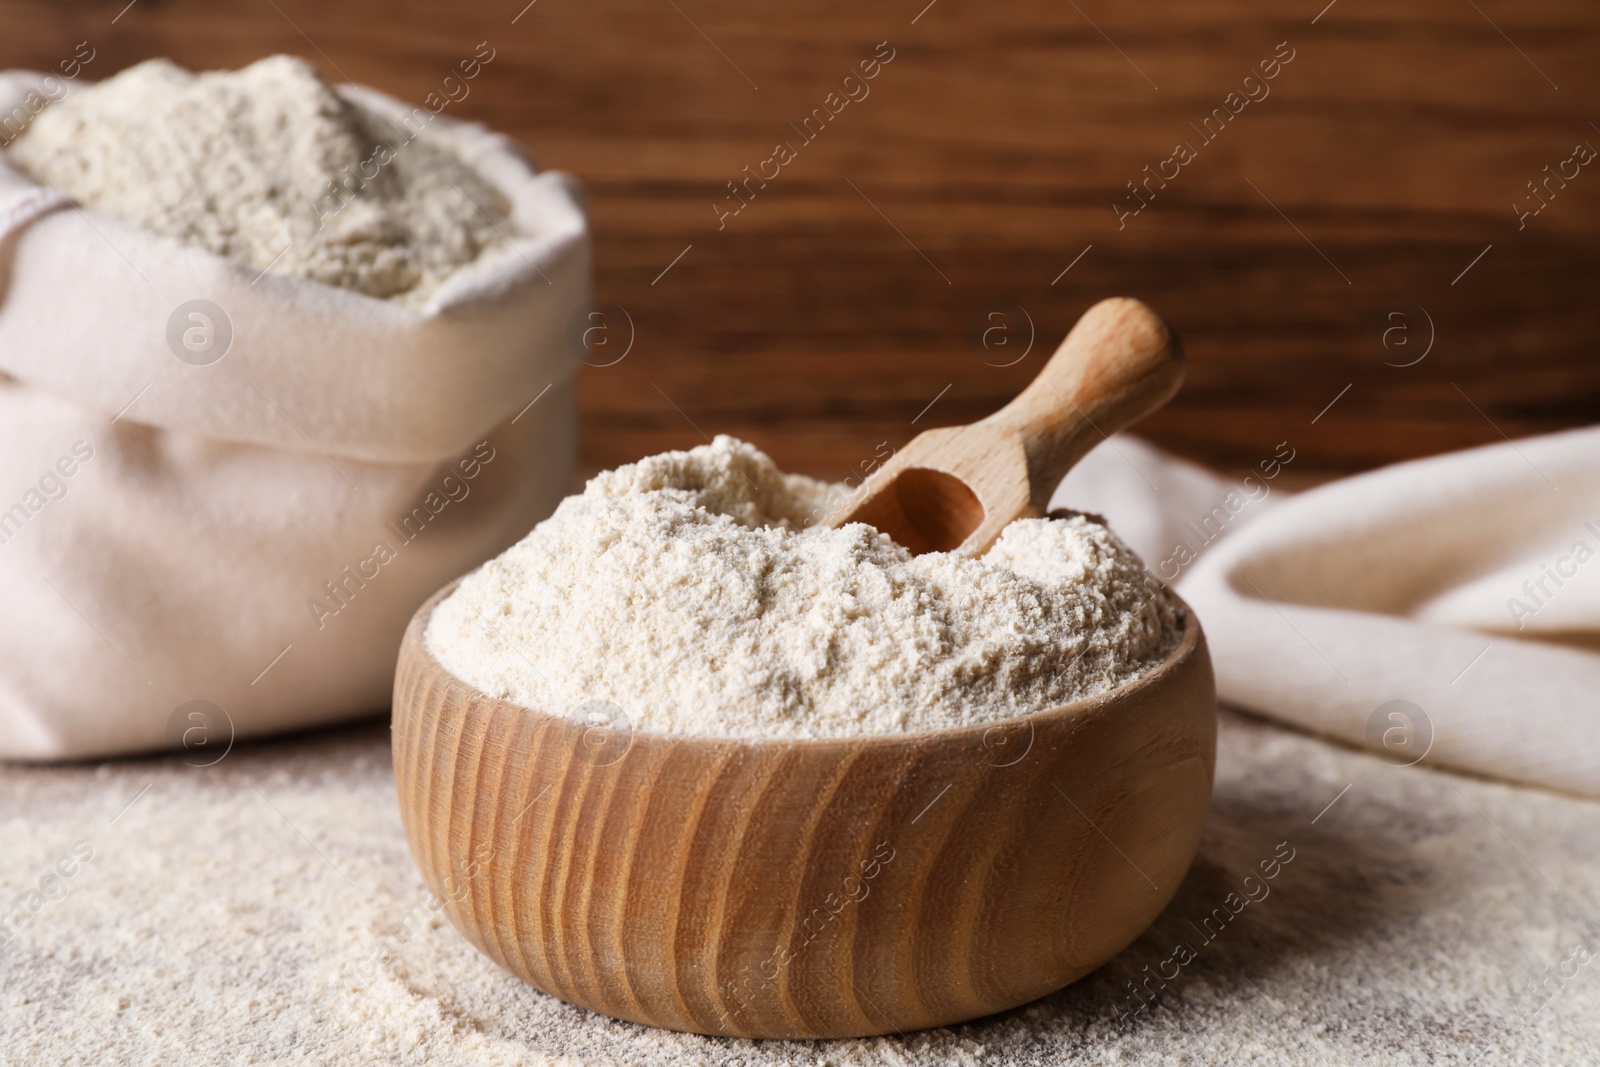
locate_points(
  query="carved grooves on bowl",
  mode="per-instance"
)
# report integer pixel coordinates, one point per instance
(801, 889)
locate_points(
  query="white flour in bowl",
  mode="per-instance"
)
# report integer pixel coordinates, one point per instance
(269, 166)
(684, 590)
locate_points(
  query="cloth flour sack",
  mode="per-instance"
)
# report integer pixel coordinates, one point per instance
(223, 493)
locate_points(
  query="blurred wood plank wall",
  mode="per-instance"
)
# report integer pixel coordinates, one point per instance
(984, 160)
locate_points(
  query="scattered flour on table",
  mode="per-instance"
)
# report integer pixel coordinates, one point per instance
(253, 164)
(689, 590)
(267, 911)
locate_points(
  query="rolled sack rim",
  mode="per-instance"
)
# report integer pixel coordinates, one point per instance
(88, 304)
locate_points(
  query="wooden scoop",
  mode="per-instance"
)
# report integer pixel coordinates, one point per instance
(955, 488)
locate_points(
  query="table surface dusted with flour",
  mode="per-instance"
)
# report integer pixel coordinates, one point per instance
(265, 909)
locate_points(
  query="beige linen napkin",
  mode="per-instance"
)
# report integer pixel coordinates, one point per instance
(1445, 610)
(203, 544)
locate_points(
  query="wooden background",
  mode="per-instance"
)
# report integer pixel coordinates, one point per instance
(841, 301)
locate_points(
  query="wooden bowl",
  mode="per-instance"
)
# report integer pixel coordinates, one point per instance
(801, 889)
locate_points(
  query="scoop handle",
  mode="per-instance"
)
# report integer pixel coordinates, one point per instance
(1119, 363)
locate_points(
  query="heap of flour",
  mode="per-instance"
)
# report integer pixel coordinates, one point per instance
(269, 166)
(687, 591)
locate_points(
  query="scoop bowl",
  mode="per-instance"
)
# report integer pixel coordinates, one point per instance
(803, 888)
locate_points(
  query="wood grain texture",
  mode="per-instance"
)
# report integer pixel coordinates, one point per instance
(804, 888)
(957, 488)
(994, 145)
